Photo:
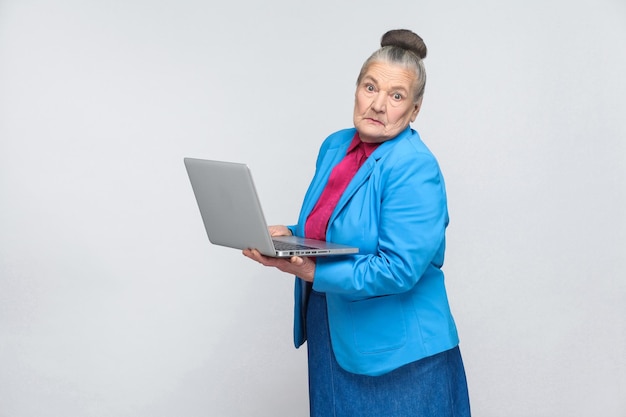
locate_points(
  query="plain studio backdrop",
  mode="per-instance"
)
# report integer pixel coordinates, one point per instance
(113, 302)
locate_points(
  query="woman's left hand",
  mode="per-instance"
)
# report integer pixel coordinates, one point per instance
(302, 267)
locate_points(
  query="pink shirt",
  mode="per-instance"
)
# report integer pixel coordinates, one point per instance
(340, 177)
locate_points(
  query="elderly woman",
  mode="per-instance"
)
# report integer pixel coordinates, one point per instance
(381, 338)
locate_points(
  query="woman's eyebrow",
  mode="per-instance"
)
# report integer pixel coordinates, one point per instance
(400, 88)
(370, 78)
(392, 88)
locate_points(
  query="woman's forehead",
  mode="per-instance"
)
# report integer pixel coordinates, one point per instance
(389, 73)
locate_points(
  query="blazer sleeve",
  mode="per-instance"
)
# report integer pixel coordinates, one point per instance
(407, 222)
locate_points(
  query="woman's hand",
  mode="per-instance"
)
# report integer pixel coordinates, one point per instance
(279, 231)
(296, 265)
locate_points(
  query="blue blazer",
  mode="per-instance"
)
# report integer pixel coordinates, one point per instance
(387, 305)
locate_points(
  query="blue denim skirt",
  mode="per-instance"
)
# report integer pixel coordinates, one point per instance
(431, 387)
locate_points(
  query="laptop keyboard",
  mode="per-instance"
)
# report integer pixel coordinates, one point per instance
(278, 245)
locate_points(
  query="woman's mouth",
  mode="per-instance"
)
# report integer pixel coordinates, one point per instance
(375, 121)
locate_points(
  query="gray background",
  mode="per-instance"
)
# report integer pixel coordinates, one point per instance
(112, 301)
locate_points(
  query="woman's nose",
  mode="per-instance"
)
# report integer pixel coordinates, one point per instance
(379, 102)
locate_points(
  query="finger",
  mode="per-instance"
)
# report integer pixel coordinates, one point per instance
(254, 255)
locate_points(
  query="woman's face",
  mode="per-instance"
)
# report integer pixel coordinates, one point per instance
(383, 104)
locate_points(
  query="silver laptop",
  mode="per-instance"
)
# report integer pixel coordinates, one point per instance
(232, 214)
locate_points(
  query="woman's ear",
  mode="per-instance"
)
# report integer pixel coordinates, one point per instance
(416, 110)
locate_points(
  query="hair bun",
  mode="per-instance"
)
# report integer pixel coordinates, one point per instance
(405, 39)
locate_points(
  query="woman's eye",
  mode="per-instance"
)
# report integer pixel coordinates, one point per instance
(369, 87)
(397, 96)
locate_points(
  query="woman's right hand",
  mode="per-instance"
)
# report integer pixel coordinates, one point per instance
(279, 230)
